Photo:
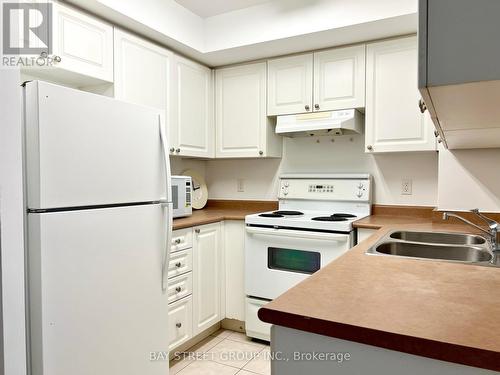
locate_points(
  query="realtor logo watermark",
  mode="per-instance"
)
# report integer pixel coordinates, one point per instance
(27, 34)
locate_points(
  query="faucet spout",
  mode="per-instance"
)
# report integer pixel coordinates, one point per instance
(492, 226)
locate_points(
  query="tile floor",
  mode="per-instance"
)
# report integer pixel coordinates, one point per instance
(224, 353)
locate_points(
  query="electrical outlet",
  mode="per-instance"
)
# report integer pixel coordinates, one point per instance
(240, 185)
(406, 186)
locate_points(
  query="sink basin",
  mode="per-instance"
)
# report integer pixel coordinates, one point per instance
(440, 238)
(467, 254)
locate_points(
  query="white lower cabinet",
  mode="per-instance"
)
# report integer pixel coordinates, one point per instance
(180, 288)
(207, 276)
(195, 284)
(234, 263)
(180, 322)
(365, 233)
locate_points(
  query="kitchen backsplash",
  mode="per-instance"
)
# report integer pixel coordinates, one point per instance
(321, 154)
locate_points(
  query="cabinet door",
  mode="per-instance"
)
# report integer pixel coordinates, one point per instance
(206, 276)
(241, 111)
(234, 261)
(83, 43)
(180, 322)
(290, 85)
(192, 123)
(339, 78)
(392, 117)
(142, 71)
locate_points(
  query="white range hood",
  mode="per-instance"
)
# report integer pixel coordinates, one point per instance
(349, 121)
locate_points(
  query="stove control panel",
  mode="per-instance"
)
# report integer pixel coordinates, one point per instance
(334, 189)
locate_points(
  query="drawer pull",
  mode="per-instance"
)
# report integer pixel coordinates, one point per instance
(178, 289)
(178, 325)
(178, 264)
(177, 241)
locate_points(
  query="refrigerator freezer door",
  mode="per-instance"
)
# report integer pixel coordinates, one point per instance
(84, 149)
(96, 299)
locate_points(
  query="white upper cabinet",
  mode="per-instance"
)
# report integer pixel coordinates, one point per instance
(393, 121)
(290, 85)
(83, 43)
(192, 128)
(142, 71)
(80, 53)
(321, 81)
(339, 78)
(242, 127)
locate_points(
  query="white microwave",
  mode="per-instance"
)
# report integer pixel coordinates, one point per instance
(181, 195)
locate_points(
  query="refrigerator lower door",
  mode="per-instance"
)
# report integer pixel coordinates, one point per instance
(95, 291)
(84, 149)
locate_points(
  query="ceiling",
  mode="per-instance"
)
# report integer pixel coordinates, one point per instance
(205, 9)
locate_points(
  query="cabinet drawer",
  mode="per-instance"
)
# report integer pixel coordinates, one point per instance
(180, 322)
(180, 286)
(180, 262)
(182, 239)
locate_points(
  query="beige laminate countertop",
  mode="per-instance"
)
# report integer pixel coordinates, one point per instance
(441, 310)
(218, 210)
(380, 221)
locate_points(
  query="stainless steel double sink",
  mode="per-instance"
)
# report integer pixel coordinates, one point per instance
(444, 246)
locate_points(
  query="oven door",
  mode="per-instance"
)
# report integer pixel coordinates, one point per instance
(278, 259)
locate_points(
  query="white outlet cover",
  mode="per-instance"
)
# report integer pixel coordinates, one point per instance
(240, 182)
(406, 186)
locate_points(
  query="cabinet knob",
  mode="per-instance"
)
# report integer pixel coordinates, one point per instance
(178, 264)
(369, 147)
(178, 289)
(307, 107)
(177, 241)
(422, 106)
(197, 231)
(172, 149)
(261, 153)
(57, 59)
(177, 150)
(316, 106)
(178, 325)
(436, 133)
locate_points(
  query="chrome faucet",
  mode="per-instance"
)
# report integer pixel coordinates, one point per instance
(492, 226)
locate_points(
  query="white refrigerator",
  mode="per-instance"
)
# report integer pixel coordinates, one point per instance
(99, 220)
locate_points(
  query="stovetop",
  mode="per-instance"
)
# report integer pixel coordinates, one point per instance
(306, 219)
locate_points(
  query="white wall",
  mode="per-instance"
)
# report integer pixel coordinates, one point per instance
(179, 165)
(277, 27)
(346, 154)
(11, 225)
(281, 19)
(469, 179)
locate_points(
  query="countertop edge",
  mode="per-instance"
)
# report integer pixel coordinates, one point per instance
(469, 356)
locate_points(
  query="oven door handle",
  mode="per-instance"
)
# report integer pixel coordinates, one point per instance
(301, 234)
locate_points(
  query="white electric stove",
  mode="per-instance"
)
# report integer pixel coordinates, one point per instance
(311, 228)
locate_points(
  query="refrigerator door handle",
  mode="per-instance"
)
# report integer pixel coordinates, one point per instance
(168, 207)
(166, 160)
